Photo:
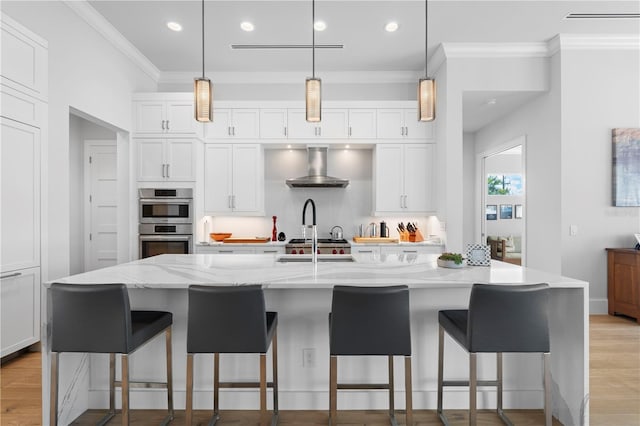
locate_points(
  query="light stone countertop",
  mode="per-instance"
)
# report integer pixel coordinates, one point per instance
(417, 271)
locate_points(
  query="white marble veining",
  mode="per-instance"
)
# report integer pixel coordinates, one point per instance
(417, 271)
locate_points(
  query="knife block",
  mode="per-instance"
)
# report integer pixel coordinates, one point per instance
(416, 237)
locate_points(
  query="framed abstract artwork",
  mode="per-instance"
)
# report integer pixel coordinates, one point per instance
(492, 212)
(626, 167)
(506, 211)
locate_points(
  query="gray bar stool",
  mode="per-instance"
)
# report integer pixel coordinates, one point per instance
(231, 320)
(500, 318)
(98, 319)
(370, 321)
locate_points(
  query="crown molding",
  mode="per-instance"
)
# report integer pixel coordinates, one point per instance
(293, 77)
(597, 42)
(495, 50)
(83, 9)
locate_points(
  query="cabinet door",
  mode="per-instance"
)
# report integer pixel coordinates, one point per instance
(418, 180)
(362, 123)
(151, 160)
(217, 178)
(246, 123)
(180, 161)
(248, 179)
(220, 127)
(390, 123)
(415, 129)
(299, 128)
(388, 178)
(20, 186)
(20, 310)
(335, 124)
(273, 123)
(150, 117)
(180, 118)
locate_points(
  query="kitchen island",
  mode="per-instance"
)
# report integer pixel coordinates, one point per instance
(301, 294)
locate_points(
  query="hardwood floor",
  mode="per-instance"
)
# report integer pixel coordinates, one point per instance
(614, 373)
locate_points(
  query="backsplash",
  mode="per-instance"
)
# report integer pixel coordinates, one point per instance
(348, 207)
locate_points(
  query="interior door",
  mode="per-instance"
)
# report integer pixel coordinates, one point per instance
(101, 195)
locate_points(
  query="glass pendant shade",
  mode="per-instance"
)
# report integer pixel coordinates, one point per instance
(426, 99)
(203, 99)
(313, 99)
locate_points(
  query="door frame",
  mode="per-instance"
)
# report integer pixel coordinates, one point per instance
(86, 190)
(480, 202)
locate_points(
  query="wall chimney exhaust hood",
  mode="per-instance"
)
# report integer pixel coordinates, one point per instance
(317, 176)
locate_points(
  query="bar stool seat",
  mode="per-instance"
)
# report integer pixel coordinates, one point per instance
(231, 319)
(500, 318)
(98, 319)
(370, 321)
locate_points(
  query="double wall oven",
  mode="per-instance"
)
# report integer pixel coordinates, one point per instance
(166, 221)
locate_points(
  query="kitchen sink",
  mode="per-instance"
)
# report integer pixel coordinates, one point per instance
(302, 258)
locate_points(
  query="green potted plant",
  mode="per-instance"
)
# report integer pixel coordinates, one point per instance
(451, 260)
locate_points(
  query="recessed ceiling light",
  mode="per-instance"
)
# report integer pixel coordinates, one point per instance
(391, 27)
(320, 26)
(174, 26)
(491, 101)
(247, 26)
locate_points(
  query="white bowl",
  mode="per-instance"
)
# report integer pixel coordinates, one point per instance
(452, 264)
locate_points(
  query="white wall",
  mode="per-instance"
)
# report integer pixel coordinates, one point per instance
(468, 188)
(600, 91)
(88, 73)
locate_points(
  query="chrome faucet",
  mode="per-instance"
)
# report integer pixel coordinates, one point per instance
(314, 232)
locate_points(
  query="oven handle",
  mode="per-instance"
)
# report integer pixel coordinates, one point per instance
(167, 200)
(165, 237)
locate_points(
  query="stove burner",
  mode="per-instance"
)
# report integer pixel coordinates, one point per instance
(325, 246)
(320, 241)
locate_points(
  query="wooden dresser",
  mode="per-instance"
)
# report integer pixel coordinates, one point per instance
(623, 292)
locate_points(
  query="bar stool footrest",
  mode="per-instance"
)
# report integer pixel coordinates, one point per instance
(363, 386)
(466, 383)
(147, 385)
(228, 385)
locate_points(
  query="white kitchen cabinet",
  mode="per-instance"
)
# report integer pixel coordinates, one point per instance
(362, 123)
(234, 179)
(411, 249)
(20, 309)
(404, 178)
(402, 123)
(369, 249)
(230, 123)
(20, 195)
(166, 160)
(240, 249)
(334, 124)
(165, 116)
(273, 123)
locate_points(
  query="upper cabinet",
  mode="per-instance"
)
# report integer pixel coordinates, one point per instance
(166, 160)
(234, 123)
(165, 114)
(273, 123)
(404, 178)
(402, 123)
(334, 124)
(362, 123)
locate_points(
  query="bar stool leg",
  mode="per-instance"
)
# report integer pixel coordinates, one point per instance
(440, 371)
(547, 389)
(216, 385)
(408, 390)
(125, 389)
(274, 356)
(112, 384)
(392, 409)
(473, 389)
(189, 407)
(333, 390)
(169, 374)
(263, 389)
(53, 393)
(499, 390)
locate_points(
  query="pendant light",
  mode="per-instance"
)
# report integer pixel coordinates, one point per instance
(427, 85)
(202, 89)
(313, 89)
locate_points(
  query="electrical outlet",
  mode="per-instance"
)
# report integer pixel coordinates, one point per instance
(309, 357)
(573, 230)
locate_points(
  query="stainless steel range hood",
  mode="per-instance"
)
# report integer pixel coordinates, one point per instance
(317, 176)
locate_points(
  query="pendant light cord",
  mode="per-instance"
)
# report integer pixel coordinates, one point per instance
(313, 39)
(426, 36)
(203, 39)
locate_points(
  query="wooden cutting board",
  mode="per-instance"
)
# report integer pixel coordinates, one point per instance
(246, 240)
(375, 240)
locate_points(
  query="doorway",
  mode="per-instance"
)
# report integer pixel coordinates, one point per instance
(501, 213)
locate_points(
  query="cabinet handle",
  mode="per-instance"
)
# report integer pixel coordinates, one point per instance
(349, 131)
(319, 131)
(406, 131)
(168, 171)
(410, 251)
(163, 174)
(229, 131)
(15, 274)
(229, 200)
(167, 124)
(225, 251)
(233, 130)
(233, 201)
(162, 124)
(285, 130)
(270, 251)
(365, 251)
(405, 201)
(401, 206)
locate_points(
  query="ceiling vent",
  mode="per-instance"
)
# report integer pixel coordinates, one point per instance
(602, 16)
(284, 46)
